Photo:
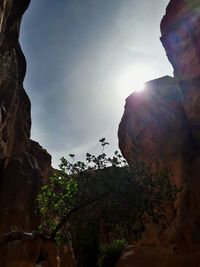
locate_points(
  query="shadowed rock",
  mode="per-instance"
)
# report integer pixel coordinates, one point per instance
(163, 124)
(152, 121)
(24, 164)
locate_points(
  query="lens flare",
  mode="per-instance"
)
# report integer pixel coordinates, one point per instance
(133, 78)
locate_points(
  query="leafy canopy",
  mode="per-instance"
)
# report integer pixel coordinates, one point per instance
(110, 192)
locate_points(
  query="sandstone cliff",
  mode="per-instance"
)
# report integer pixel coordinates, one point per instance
(163, 123)
(24, 164)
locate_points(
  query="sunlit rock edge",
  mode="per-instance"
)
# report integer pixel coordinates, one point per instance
(162, 124)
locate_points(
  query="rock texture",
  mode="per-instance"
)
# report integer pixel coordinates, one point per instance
(162, 124)
(180, 30)
(151, 123)
(24, 164)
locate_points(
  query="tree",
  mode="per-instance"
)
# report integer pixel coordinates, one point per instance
(115, 194)
(108, 194)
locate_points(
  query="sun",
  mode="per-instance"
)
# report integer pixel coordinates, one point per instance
(133, 78)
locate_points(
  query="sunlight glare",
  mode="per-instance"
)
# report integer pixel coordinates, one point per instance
(134, 77)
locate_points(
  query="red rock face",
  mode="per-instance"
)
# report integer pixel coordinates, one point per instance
(14, 103)
(163, 123)
(150, 125)
(24, 164)
(180, 29)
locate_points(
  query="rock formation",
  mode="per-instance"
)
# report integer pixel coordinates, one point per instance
(163, 123)
(24, 164)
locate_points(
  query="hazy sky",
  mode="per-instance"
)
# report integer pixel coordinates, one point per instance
(84, 58)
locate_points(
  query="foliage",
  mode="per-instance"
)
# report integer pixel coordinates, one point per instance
(110, 253)
(56, 200)
(112, 194)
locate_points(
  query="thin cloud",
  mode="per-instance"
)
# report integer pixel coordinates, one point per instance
(76, 50)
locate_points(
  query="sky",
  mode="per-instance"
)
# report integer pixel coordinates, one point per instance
(84, 57)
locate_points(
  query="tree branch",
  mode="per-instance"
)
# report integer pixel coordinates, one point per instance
(15, 235)
(66, 218)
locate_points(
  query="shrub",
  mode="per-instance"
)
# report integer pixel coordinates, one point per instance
(110, 253)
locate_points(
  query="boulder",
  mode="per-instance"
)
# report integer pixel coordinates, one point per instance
(154, 126)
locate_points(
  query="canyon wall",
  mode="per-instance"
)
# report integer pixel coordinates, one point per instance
(162, 123)
(24, 164)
